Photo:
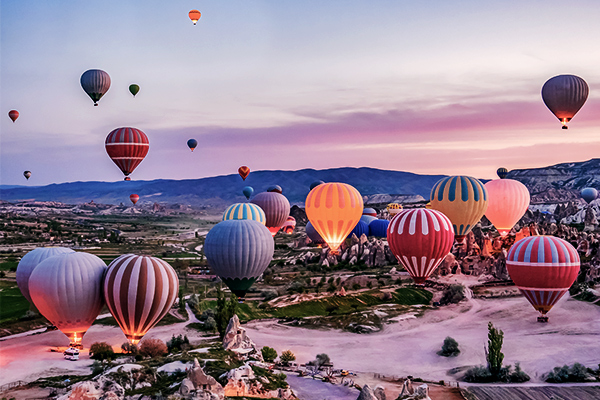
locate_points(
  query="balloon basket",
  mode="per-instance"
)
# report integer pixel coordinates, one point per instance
(542, 318)
(565, 127)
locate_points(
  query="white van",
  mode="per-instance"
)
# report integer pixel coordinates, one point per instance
(71, 354)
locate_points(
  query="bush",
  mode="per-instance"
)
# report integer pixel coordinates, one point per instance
(296, 287)
(178, 343)
(153, 348)
(286, 357)
(206, 314)
(575, 373)
(453, 294)
(449, 348)
(129, 348)
(356, 286)
(101, 351)
(269, 294)
(269, 354)
(210, 324)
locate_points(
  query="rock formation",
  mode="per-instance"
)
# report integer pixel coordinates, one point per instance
(237, 341)
(198, 385)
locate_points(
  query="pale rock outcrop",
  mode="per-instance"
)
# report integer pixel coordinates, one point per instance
(367, 393)
(198, 385)
(237, 341)
(86, 390)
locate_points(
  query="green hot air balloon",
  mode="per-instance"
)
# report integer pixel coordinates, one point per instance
(134, 89)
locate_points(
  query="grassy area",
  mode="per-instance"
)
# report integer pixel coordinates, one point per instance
(9, 265)
(14, 305)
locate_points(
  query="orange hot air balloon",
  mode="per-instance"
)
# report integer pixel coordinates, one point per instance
(508, 201)
(244, 172)
(194, 16)
(334, 209)
(13, 115)
(134, 198)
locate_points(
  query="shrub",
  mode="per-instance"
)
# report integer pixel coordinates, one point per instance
(269, 354)
(206, 314)
(449, 348)
(101, 351)
(153, 348)
(296, 287)
(286, 357)
(129, 348)
(356, 286)
(269, 294)
(178, 343)
(478, 374)
(210, 324)
(453, 294)
(576, 373)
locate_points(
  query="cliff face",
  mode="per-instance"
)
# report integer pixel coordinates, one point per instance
(560, 182)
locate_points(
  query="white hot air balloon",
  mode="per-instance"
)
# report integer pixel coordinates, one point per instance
(30, 261)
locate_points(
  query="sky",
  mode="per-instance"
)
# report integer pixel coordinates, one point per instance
(430, 87)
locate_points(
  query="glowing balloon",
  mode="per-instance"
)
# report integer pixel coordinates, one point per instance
(508, 201)
(334, 209)
(502, 172)
(192, 143)
(134, 198)
(247, 191)
(139, 291)
(30, 261)
(543, 268)
(313, 235)
(127, 147)
(463, 199)
(244, 171)
(194, 16)
(589, 194)
(276, 207)
(13, 115)
(27, 174)
(289, 225)
(95, 83)
(420, 239)
(134, 89)
(245, 211)
(564, 95)
(67, 290)
(239, 251)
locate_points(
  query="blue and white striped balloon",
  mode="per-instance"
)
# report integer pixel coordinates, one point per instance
(245, 211)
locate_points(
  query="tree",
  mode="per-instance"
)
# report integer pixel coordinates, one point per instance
(287, 357)
(493, 353)
(101, 351)
(153, 348)
(269, 354)
(453, 294)
(129, 348)
(449, 348)
(322, 359)
(226, 309)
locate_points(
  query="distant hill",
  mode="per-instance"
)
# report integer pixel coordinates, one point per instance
(219, 191)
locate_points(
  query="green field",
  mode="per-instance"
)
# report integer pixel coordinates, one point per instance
(12, 303)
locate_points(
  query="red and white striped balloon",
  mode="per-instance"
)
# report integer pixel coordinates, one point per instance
(420, 239)
(139, 291)
(127, 147)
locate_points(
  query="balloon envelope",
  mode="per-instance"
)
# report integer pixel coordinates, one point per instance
(394, 208)
(589, 194)
(95, 83)
(367, 219)
(30, 261)
(275, 188)
(248, 191)
(370, 211)
(564, 95)
(315, 184)
(502, 172)
(134, 89)
(27, 174)
(508, 201)
(127, 147)
(289, 225)
(67, 290)
(245, 211)
(13, 115)
(378, 228)
(276, 207)
(239, 251)
(313, 235)
(139, 291)
(361, 228)
(543, 268)
(244, 171)
(134, 198)
(192, 143)
(194, 16)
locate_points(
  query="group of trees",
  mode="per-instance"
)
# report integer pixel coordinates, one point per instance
(152, 348)
(270, 355)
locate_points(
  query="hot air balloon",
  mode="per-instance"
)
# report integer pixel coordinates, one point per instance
(30, 261)
(394, 208)
(95, 83)
(134, 89)
(275, 188)
(420, 239)
(361, 228)
(508, 201)
(313, 235)
(192, 143)
(564, 95)
(502, 172)
(239, 251)
(67, 290)
(245, 211)
(13, 115)
(334, 209)
(289, 225)
(315, 184)
(543, 268)
(370, 211)
(463, 199)
(244, 171)
(276, 207)
(247, 191)
(194, 16)
(134, 198)
(127, 147)
(378, 228)
(589, 194)
(139, 291)
(367, 219)
(27, 174)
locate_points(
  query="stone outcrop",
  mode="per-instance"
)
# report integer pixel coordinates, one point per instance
(243, 382)
(199, 385)
(237, 341)
(367, 393)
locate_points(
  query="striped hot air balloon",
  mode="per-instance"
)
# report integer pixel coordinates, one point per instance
(30, 261)
(501, 172)
(139, 291)
(543, 268)
(564, 95)
(420, 239)
(134, 198)
(245, 211)
(463, 199)
(276, 207)
(394, 208)
(289, 225)
(334, 209)
(244, 172)
(127, 147)
(508, 201)
(95, 83)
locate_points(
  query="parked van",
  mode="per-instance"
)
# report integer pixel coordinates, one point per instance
(71, 354)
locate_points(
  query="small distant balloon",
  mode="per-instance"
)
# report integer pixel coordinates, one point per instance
(315, 184)
(134, 198)
(289, 225)
(127, 148)
(244, 172)
(134, 89)
(194, 16)
(192, 143)
(502, 172)
(13, 115)
(589, 194)
(564, 95)
(248, 191)
(275, 188)
(95, 83)
(27, 174)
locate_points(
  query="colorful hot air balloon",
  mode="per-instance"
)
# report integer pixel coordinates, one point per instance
(502, 172)
(127, 147)
(463, 199)
(134, 89)
(289, 225)
(420, 239)
(13, 115)
(589, 194)
(194, 16)
(378, 228)
(30, 261)
(67, 290)
(367, 219)
(27, 174)
(244, 171)
(313, 235)
(361, 228)
(370, 211)
(394, 208)
(139, 291)
(134, 198)
(276, 207)
(247, 191)
(95, 83)
(245, 211)
(275, 188)
(508, 201)
(192, 143)
(334, 209)
(315, 184)
(239, 251)
(543, 268)
(564, 95)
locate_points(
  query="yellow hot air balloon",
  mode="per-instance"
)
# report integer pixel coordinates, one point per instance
(334, 209)
(508, 201)
(394, 208)
(463, 199)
